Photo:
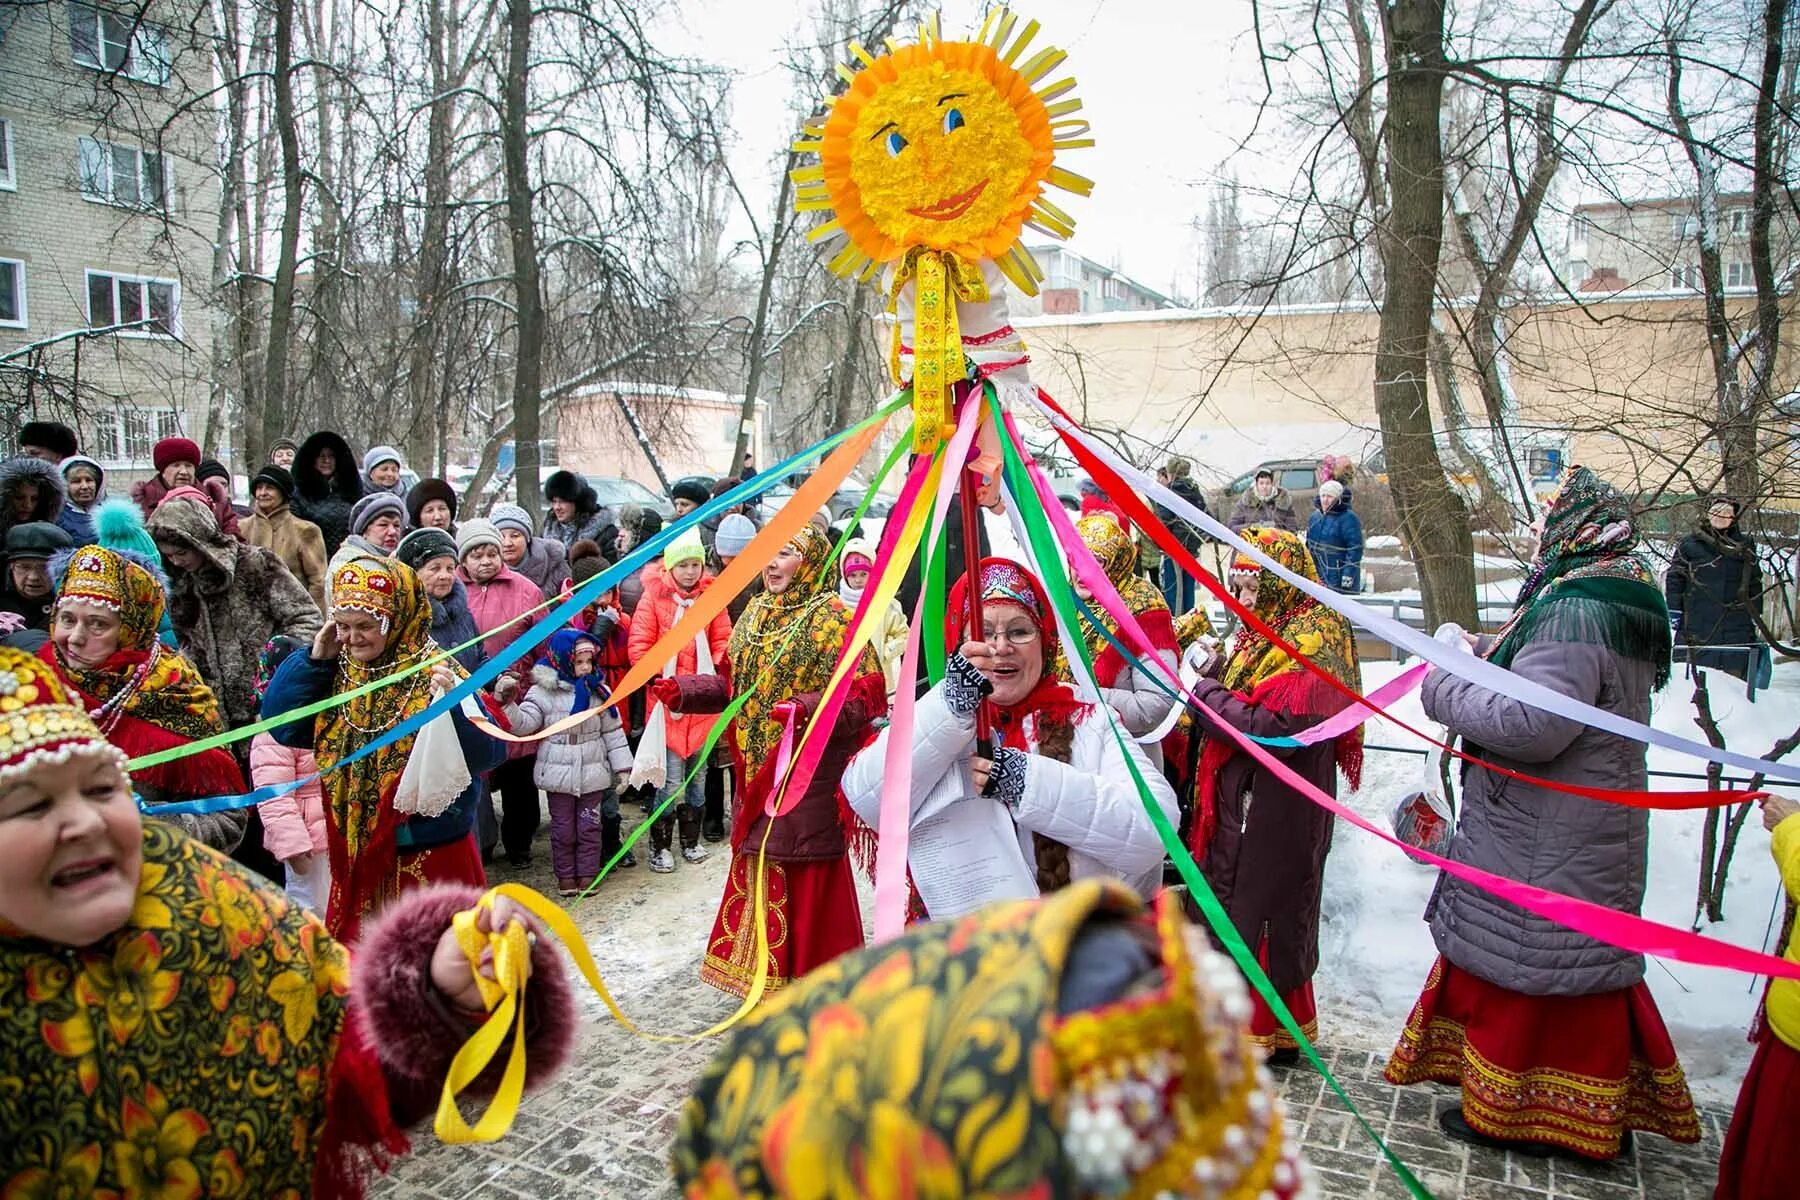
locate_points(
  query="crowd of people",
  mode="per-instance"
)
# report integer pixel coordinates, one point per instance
(1045, 764)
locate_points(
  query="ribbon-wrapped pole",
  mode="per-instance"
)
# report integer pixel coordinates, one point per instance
(940, 279)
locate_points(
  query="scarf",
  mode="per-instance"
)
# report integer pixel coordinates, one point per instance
(1587, 584)
(1263, 673)
(360, 817)
(215, 1024)
(1044, 720)
(145, 697)
(1117, 555)
(787, 644)
(590, 689)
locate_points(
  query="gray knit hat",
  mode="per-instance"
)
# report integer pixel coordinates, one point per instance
(376, 504)
(422, 545)
(735, 532)
(511, 516)
(380, 454)
(475, 532)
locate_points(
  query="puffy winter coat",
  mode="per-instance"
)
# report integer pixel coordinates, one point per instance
(52, 499)
(497, 606)
(293, 824)
(226, 612)
(585, 524)
(1277, 512)
(326, 500)
(1090, 803)
(657, 612)
(1715, 588)
(546, 563)
(452, 624)
(298, 544)
(578, 761)
(1589, 849)
(1335, 540)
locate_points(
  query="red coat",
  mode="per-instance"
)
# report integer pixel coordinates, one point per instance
(657, 613)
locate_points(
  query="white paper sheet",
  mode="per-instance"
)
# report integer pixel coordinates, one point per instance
(968, 856)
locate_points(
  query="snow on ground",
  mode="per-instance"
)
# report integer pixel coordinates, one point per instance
(1375, 948)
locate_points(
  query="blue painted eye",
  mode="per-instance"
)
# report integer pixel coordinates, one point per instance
(953, 120)
(895, 144)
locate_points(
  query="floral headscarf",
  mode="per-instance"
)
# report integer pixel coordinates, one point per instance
(360, 815)
(99, 576)
(1075, 1045)
(786, 645)
(1117, 555)
(591, 688)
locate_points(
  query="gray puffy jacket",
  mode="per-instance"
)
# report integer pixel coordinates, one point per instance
(592, 757)
(1591, 849)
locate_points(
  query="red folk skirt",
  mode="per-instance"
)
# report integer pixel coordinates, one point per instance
(453, 862)
(1574, 1072)
(1265, 1030)
(1761, 1159)
(811, 917)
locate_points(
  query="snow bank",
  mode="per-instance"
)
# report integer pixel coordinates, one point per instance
(1375, 948)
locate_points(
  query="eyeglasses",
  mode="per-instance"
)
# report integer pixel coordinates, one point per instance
(1014, 635)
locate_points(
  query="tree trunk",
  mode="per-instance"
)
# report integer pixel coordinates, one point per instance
(281, 303)
(759, 326)
(528, 293)
(1433, 515)
(422, 374)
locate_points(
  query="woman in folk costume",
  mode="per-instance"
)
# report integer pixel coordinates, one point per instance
(672, 741)
(782, 653)
(1128, 688)
(384, 838)
(1553, 1036)
(144, 697)
(1260, 843)
(891, 630)
(1058, 796)
(1080, 1046)
(171, 1026)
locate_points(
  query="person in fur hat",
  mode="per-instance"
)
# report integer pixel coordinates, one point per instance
(576, 512)
(243, 1051)
(177, 463)
(273, 526)
(51, 441)
(33, 490)
(227, 600)
(431, 504)
(326, 483)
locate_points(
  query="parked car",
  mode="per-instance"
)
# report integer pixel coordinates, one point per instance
(617, 491)
(843, 502)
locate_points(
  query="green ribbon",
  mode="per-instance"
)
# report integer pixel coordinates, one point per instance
(1044, 548)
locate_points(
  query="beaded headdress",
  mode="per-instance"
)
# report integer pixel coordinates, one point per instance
(1110, 545)
(38, 721)
(100, 577)
(366, 585)
(1008, 583)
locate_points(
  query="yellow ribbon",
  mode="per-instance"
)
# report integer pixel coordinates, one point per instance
(940, 279)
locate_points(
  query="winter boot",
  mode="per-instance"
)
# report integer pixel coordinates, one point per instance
(712, 826)
(662, 859)
(611, 840)
(691, 849)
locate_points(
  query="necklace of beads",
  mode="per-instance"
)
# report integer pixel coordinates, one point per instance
(107, 714)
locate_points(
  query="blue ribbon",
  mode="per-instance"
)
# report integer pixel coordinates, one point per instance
(555, 618)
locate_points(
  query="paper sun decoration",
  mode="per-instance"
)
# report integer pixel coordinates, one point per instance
(932, 161)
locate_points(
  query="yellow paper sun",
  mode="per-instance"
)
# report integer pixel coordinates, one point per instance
(947, 146)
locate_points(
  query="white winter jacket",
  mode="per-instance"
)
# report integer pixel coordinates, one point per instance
(1090, 803)
(580, 760)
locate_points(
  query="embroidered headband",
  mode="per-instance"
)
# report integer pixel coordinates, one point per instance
(364, 585)
(39, 723)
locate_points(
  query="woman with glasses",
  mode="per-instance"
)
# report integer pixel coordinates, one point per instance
(1056, 796)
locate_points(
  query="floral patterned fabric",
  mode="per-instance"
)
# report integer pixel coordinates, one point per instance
(1117, 555)
(188, 1053)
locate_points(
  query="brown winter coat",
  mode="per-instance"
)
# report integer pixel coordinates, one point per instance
(226, 612)
(1266, 862)
(298, 544)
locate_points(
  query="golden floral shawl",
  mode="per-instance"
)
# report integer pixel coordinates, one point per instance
(190, 1052)
(360, 817)
(1316, 631)
(1117, 555)
(786, 645)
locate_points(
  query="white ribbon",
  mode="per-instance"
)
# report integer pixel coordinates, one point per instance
(650, 765)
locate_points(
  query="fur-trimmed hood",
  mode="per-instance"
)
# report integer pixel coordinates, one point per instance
(52, 491)
(346, 477)
(194, 526)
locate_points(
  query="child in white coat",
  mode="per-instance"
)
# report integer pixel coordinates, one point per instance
(577, 767)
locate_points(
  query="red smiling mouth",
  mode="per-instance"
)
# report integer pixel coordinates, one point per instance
(953, 207)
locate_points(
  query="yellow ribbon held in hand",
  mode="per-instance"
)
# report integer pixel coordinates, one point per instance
(940, 279)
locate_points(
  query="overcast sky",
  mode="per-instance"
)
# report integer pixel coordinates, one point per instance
(1157, 80)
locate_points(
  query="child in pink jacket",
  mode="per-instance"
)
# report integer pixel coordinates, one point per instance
(293, 823)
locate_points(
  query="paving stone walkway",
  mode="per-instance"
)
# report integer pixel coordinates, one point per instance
(602, 1131)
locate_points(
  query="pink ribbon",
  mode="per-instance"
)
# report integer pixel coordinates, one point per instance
(1403, 684)
(1624, 930)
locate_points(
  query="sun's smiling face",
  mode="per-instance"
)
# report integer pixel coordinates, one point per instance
(942, 146)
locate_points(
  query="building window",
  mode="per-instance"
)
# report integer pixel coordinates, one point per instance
(123, 175)
(9, 179)
(121, 42)
(127, 435)
(12, 293)
(1684, 277)
(1739, 274)
(1683, 226)
(1740, 222)
(150, 307)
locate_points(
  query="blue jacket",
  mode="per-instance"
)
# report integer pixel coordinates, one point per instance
(1335, 540)
(300, 681)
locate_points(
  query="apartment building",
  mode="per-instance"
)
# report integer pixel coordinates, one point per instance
(1654, 245)
(108, 214)
(1074, 285)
